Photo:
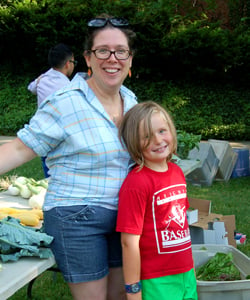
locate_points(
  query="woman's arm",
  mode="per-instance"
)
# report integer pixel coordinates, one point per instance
(13, 154)
(131, 261)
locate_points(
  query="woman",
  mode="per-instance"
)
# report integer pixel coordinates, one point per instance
(76, 128)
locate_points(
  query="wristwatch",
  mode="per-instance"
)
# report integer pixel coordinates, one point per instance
(133, 288)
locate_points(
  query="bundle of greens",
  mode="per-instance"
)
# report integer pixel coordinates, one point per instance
(219, 268)
(17, 240)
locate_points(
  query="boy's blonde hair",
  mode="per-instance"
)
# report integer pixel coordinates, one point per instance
(130, 125)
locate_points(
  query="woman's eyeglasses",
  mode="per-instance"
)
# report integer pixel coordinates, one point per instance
(120, 54)
(101, 22)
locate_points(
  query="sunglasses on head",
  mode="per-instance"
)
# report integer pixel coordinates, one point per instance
(101, 22)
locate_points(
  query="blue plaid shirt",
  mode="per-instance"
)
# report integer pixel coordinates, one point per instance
(86, 160)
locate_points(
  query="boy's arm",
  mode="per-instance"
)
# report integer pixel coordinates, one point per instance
(131, 261)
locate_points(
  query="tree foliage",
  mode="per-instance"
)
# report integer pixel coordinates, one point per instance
(175, 39)
(183, 48)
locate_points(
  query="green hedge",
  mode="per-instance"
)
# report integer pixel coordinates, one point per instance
(187, 58)
(17, 104)
(214, 111)
(178, 41)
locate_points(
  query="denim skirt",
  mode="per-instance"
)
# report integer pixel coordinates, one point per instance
(85, 242)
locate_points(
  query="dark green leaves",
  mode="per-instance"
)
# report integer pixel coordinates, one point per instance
(219, 268)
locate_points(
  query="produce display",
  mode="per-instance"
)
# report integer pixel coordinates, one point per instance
(17, 235)
(33, 191)
(29, 217)
(219, 268)
(28, 188)
(17, 240)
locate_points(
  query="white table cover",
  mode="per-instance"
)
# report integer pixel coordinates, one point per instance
(14, 275)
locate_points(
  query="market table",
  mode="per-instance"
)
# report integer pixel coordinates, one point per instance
(14, 275)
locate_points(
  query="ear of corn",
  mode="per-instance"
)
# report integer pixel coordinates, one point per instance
(29, 217)
(38, 212)
(3, 215)
(8, 210)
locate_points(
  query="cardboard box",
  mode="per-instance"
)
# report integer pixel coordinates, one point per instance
(211, 228)
(192, 216)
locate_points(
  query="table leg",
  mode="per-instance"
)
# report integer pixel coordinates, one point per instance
(29, 289)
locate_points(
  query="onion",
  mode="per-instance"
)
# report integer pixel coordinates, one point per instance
(13, 190)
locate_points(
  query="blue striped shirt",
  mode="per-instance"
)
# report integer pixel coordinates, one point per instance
(86, 160)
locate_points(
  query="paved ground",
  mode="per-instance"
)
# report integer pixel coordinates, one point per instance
(4, 139)
(238, 144)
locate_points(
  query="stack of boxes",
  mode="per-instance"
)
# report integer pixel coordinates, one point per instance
(227, 159)
(212, 233)
(209, 228)
(217, 160)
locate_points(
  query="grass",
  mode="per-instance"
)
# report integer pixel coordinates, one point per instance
(227, 198)
(48, 286)
(31, 169)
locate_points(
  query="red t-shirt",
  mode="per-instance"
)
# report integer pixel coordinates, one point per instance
(153, 204)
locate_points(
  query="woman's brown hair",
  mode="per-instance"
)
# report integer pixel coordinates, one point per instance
(92, 32)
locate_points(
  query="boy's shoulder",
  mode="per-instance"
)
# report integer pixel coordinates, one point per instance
(136, 176)
(174, 166)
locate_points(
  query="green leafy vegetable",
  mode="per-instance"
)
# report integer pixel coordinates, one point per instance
(17, 240)
(186, 142)
(219, 268)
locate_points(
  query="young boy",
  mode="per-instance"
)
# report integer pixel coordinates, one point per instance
(157, 254)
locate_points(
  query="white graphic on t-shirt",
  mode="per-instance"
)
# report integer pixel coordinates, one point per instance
(170, 223)
(177, 215)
